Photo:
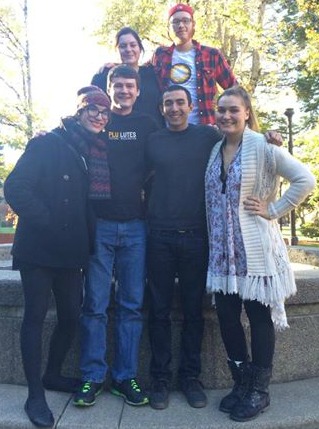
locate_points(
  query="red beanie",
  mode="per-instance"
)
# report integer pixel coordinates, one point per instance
(180, 7)
(92, 95)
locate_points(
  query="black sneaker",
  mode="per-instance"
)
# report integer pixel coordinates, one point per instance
(87, 393)
(194, 392)
(159, 394)
(130, 391)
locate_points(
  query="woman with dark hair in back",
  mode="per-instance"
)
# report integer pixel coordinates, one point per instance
(130, 48)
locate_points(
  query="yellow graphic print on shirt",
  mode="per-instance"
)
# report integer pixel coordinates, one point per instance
(180, 73)
(124, 135)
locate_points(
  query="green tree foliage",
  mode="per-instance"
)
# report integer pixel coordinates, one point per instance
(16, 116)
(244, 30)
(310, 229)
(301, 25)
(307, 150)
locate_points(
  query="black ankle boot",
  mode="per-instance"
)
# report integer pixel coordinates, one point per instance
(39, 413)
(241, 376)
(256, 399)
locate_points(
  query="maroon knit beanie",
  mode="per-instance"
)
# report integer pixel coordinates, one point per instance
(92, 95)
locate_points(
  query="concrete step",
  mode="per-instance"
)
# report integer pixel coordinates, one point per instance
(298, 345)
(294, 405)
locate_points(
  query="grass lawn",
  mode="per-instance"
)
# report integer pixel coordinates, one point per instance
(7, 230)
(308, 243)
(302, 240)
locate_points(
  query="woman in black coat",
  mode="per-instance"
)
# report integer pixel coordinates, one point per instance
(48, 189)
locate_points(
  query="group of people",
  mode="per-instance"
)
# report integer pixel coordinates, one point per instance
(128, 191)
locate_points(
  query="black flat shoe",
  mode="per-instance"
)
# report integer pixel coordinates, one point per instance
(61, 384)
(39, 413)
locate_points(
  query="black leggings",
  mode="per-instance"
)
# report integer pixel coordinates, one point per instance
(66, 285)
(229, 307)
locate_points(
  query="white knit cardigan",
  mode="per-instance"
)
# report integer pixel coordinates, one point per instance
(269, 279)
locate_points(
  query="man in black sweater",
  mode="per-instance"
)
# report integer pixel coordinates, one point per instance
(120, 245)
(177, 243)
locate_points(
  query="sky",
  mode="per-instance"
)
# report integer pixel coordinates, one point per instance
(64, 53)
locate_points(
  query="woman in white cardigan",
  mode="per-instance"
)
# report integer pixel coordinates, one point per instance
(248, 260)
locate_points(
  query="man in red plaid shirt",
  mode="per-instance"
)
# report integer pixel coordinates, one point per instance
(196, 67)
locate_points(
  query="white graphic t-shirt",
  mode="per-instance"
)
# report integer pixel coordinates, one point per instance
(183, 73)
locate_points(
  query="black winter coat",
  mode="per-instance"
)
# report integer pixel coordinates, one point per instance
(48, 189)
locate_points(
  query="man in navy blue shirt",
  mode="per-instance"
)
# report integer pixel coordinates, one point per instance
(177, 243)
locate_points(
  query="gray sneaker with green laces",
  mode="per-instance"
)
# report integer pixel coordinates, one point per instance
(130, 391)
(85, 396)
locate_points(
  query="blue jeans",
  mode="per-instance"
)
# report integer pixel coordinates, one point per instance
(119, 245)
(184, 253)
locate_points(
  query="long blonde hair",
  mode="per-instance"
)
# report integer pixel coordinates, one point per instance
(239, 91)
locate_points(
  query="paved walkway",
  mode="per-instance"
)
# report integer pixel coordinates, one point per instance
(294, 405)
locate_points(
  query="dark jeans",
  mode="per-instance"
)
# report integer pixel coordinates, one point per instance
(181, 253)
(229, 308)
(38, 284)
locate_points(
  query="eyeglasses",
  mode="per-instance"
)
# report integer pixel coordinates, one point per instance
(184, 21)
(94, 112)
